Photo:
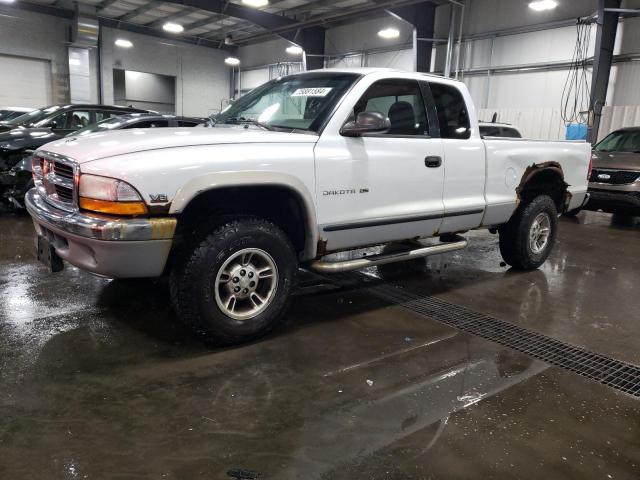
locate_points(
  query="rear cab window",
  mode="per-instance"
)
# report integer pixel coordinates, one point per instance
(453, 117)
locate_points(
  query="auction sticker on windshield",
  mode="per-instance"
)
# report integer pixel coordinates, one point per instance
(312, 92)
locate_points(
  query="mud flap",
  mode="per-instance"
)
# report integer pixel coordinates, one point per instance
(48, 256)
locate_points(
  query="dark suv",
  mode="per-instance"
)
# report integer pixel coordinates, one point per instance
(614, 185)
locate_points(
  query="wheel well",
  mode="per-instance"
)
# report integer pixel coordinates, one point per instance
(277, 204)
(548, 181)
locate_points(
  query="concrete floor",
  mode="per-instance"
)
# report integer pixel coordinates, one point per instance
(98, 380)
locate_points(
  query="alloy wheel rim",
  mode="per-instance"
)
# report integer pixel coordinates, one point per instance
(246, 283)
(539, 233)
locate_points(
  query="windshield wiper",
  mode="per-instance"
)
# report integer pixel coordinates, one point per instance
(247, 121)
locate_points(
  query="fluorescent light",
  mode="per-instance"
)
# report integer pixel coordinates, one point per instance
(540, 5)
(389, 33)
(256, 3)
(7, 1)
(173, 27)
(122, 43)
(294, 50)
(233, 61)
(74, 61)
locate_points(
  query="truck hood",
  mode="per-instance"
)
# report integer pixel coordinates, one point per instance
(616, 160)
(110, 144)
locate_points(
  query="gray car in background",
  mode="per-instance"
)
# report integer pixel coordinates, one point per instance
(614, 185)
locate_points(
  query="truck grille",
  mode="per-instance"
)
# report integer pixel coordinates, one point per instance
(616, 177)
(57, 183)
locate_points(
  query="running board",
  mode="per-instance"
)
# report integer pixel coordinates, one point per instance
(321, 266)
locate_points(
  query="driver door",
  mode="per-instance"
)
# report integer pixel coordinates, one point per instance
(382, 187)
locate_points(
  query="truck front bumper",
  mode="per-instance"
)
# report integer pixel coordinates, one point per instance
(109, 246)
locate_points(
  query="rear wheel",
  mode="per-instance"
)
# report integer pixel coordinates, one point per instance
(528, 238)
(235, 285)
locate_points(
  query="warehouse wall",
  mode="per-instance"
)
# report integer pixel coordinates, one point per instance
(202, 78)
(32, 35)
(532, 99)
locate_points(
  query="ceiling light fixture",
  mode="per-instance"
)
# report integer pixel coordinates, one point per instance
(295, 50)
(540, 5)
(389, 33)
(122, 43)
(173, 27)
(7, 1)
(256, 3)
(233, 61)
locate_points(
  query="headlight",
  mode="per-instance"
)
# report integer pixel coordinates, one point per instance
(109, 195)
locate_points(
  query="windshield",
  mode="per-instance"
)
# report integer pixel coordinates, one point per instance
(622, 141)
(9, 114)
(300, 102)
(33, 116)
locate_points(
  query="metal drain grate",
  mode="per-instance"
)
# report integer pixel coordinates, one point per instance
(608, 371)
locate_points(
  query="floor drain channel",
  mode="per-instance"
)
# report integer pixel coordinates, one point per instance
(613, 373)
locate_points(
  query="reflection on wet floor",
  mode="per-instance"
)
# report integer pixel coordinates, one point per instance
(97, 378)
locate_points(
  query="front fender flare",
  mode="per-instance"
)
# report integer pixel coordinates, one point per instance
(210, 181)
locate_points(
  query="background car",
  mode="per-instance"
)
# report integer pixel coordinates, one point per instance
(9, 113)
(16, 181)
(614, 185)
(140, 120)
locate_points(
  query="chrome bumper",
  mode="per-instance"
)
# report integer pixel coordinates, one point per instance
(112, 247)
(99, 227)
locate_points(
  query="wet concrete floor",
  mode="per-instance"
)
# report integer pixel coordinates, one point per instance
(98, 380)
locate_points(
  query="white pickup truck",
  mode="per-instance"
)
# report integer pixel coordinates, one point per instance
(302, 167)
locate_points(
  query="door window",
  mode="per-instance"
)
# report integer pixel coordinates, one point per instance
(73, 120)
(149, 124)
(401, 101)
(452, 111)
(186, 123)
(102, 115)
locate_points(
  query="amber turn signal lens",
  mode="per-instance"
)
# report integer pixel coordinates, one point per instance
(113, 208)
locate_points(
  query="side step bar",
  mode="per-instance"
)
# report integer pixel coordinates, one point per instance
(322, 266)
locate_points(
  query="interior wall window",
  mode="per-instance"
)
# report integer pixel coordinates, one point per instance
(401, 101)
(452, 111)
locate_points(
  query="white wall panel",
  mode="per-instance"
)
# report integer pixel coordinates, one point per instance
(346, 62)
(25, 82)
(37, 36)
(614, 117)
(535, 123)
(399, 59)
(202, 78)
(254, 78)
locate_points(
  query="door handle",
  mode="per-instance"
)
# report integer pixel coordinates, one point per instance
(433, 162)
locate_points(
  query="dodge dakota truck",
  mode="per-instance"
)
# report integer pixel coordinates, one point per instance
(299, 169)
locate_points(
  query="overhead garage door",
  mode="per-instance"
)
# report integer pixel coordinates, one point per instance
(25, 82)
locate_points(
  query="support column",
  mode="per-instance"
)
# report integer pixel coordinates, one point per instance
(312, 41)
(605, 41)
(422, 17)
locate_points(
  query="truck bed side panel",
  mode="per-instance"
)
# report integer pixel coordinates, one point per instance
(507, 164)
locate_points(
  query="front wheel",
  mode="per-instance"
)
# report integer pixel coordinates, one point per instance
(528, 238)
(235, 285)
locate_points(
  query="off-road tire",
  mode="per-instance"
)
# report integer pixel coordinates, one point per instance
(514, 235)
(193, 275)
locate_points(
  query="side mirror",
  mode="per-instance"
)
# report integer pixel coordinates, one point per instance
(366, 122)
